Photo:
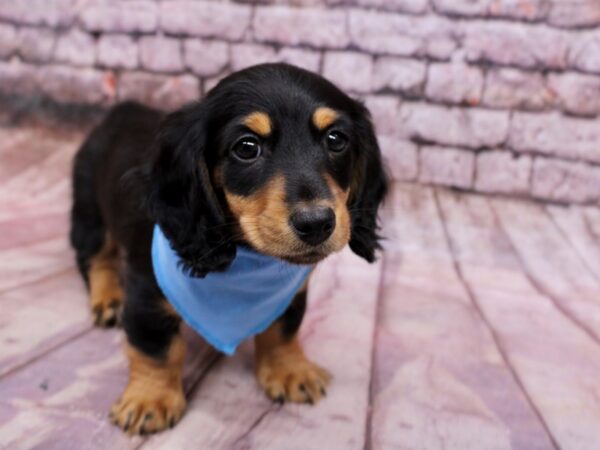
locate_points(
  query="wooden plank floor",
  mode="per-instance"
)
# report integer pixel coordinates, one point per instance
(479, 328)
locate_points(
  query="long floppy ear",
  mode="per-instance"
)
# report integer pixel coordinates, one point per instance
(180, 196)
(369, 189)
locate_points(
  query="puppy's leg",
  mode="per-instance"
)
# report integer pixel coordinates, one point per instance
(96, 252)
(282, 369)
(106, 293)
(153, 399)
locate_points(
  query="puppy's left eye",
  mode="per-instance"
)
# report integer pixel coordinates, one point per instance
(336, 141)
(247, 149)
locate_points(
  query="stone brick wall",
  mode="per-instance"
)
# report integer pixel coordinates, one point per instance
(497, 96)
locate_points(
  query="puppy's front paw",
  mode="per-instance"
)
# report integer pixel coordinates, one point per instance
(292, 377)
(107, 312)
(106, 297)
(143, 409)
(106, 291)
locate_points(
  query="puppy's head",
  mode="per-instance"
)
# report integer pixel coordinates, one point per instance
(275, 157)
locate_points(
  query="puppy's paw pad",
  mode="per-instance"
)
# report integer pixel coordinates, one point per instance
(108, 313)
(293, 379)
(150, 412)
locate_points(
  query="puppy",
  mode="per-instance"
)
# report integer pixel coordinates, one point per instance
(275, 165)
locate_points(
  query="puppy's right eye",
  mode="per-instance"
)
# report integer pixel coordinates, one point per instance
(247, 149)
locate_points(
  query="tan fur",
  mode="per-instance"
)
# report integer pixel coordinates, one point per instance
(106, 293)
(341, 235)
(283, 370)
(153, 399)
(218, 176)
(323, 117)
(264, 218)
(168, 308)
(259, 122)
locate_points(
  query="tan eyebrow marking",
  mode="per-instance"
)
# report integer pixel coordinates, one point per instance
(323, 117)
(259, 122)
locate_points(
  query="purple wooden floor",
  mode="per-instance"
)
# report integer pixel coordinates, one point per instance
(478, 329)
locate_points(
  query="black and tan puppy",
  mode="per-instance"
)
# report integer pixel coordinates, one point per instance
(274, 158)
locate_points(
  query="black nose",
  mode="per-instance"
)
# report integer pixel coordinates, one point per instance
(313, 225)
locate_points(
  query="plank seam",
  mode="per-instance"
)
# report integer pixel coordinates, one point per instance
(212, 361)
(496, 338)
(35, 281)
(15, 245)
(589, 227)
(46, 352)
(569, 241)
(539, 287)
(371, 389)
(254, 425)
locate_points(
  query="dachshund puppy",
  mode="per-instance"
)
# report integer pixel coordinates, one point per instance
(272, 171)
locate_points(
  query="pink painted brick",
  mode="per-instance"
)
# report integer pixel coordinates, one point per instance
(52, 13)
(577, 93)
(409, 6)
(585, 52)
(502, 172)
(468, 127)
(120, 16)
(565, 181)
(161, 91)
(74, 85)
(17, 78)
(161, 54)
(118, 51)
(307, 59)
(530, 9)
(512, 88)
(519, 44)
(461, 7)
(8, 40)
(400, 157)
(379, 32)
(205, 58)
(556, 135)
(205, 18)
(245, 55)
(385, 112)
(575, 13)
(399, 74)
(446, 166)
(519, 9)
(76, 47)
(292, 26)
(454, 83)
(350, 71)
(36, 44)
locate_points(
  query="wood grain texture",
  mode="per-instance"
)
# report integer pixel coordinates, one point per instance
(440, 380)
(580, 226)
(555, 360)
(478, 329)
(551, 264)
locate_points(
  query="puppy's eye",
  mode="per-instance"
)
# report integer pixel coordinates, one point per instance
(336, 141)
(247, 149)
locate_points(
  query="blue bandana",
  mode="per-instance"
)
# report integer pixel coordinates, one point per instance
(226, 308)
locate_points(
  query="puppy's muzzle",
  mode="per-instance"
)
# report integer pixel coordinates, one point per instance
(313, 225)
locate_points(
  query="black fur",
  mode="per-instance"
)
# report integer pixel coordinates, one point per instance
(372, 188)
(139, 167)
(293, 315)
(181, 198)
